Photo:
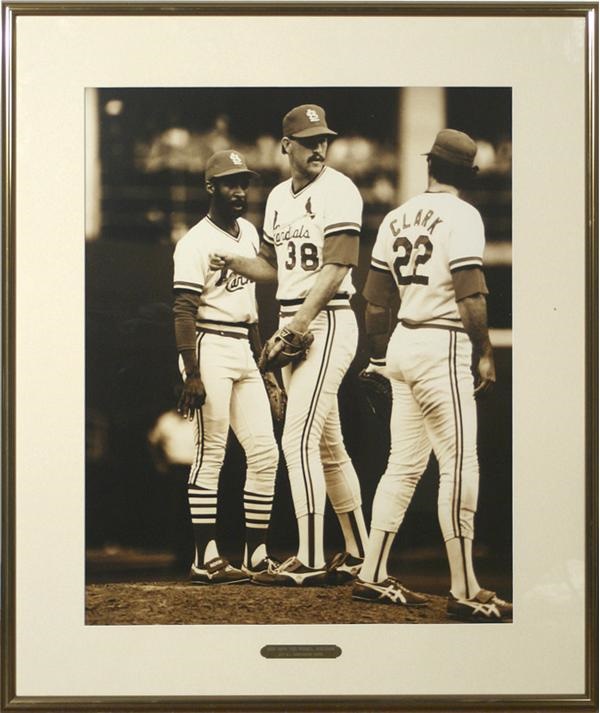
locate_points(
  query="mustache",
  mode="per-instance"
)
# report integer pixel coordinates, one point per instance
(316, 157)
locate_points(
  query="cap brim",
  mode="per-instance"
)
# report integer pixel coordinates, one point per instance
(313, 131)
(451, 161)
(233, 171)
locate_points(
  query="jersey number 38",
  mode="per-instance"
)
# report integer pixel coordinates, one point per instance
(308, 254)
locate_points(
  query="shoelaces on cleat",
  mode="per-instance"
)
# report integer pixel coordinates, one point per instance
(284, 565)
(272, 565)
(399, 584)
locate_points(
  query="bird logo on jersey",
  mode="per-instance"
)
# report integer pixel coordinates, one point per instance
(308, 209)
(312, 115)
(236, 158)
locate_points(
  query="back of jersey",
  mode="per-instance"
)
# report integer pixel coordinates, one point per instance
(422, 243)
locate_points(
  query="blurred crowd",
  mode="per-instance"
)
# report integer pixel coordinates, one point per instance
(370, 163)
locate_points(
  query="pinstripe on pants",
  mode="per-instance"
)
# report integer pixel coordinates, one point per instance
(312, 440)
(433, 407)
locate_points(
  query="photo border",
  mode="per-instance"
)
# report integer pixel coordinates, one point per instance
(9, 700)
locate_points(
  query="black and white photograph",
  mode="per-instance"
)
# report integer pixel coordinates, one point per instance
(280, 246)
(300, 356)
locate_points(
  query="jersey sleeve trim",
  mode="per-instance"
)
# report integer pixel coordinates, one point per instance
(341, 227)
(462, 263)
(267, 238)
(377, 361)
(193, 286)
(379, 265)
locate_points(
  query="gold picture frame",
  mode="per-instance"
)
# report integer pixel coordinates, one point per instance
(547, 52)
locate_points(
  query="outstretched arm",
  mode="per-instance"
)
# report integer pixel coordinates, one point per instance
(261, 268)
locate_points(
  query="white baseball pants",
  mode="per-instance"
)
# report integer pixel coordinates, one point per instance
(312, 441)
(433, 407)
(236, 396)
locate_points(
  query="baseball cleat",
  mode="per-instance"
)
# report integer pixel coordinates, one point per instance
(343, 567)
(390, 591)
(292, 573)
(485, 606)
(266, 564)
(217, 571)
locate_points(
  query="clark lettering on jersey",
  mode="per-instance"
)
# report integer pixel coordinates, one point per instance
(421, 243)
(421, 219)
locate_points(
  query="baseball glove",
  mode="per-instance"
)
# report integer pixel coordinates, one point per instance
(277, 397)
(378, 393)
(286, 346)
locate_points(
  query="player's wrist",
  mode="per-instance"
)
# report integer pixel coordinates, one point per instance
(483, 350)
(377, 361)
(376, 365)
(232, 262)
(299, 324)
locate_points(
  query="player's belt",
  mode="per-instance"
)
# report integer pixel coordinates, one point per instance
(340, 300)
(237, 330)
(454, 325)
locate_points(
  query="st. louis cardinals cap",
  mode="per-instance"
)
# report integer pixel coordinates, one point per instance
(226, 163)
(306, 120)
(455, 147)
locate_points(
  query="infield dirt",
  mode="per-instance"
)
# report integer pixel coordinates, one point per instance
(175, 602)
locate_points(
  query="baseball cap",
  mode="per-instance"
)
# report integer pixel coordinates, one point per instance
(226, 163)
(454, 147)
(306, 120)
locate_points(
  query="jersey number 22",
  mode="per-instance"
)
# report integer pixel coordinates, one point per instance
(423, 247)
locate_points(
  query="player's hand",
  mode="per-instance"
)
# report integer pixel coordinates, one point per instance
(192, 396)
(284, 347)
(486, 374)
(270, 350)
(219, 261)
(274, 345)
(377, 389)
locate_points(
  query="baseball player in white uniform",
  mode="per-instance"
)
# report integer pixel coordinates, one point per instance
(310, 244)
(215, 321)
(430, 250)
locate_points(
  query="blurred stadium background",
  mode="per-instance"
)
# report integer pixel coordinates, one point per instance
(145, 156)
